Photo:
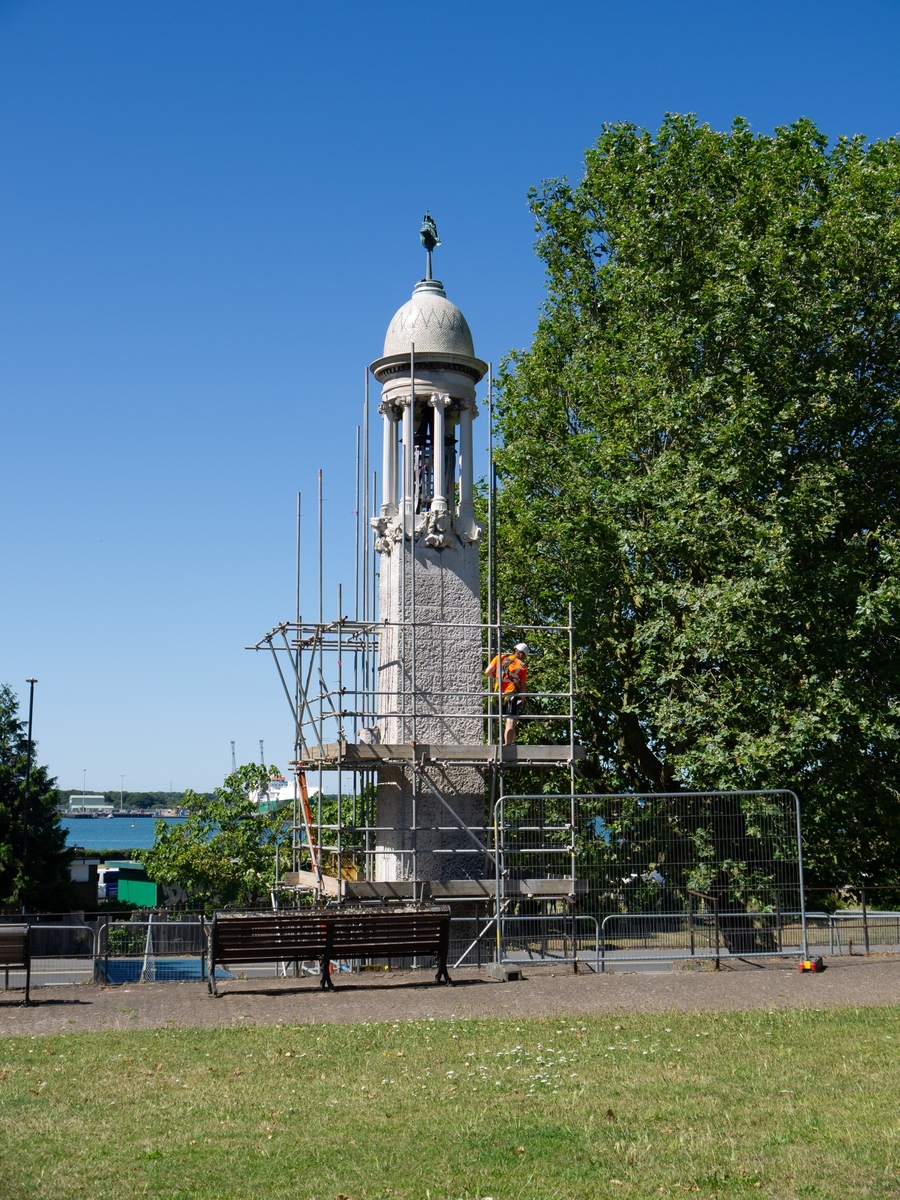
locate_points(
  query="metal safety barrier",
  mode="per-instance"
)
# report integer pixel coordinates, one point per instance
(546, 937)
(655, 937)
(870, 929)
(155, 950)
(60, 954)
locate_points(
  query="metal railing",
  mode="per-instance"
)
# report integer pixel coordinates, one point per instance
(118, 951)
(60, 954)
(865, 929)
(653, 937)
(550, 939)
(153, 950)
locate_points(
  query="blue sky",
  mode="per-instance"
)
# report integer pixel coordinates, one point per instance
(208, 215)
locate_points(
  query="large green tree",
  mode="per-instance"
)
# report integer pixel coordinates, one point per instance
(225, 852)
(700, 450)
(44, 882)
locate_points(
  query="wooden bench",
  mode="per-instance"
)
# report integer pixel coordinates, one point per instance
(326, 934)
(15, 952)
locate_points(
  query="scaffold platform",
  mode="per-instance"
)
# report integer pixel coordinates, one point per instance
(365, 756)
(445, 891)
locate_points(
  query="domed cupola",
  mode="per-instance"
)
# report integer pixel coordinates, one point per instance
(430, 337)
(431, 323)
(432, 328)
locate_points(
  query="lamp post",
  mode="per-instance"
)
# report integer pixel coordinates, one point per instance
(31, 683)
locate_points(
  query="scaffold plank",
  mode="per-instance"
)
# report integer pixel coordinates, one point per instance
(444, 891)
(358, 754)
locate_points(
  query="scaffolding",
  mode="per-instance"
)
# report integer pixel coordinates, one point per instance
(568, 874)
(329, 675)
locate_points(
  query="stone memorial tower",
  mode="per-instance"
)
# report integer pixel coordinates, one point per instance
(430, 647)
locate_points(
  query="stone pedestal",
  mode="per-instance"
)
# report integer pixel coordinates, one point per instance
(437, 854)
(430, 678)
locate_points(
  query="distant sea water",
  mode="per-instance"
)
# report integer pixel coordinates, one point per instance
(113, 833)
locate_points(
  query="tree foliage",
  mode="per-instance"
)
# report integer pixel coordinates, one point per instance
(44, 884)
(700, 451)
(224, 852)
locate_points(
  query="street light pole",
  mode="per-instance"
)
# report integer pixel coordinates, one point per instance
(31, 683)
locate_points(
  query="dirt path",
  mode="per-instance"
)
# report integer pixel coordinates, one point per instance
(403, 995)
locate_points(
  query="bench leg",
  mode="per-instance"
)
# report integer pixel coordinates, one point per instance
(211, 980)
(443, 973)
(27, 1001)
(327, 983)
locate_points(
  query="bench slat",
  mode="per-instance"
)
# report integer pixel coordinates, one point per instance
(14, 948)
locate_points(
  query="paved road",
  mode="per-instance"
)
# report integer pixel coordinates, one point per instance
(399, 995)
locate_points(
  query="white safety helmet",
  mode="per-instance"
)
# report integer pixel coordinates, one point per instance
(521, 649)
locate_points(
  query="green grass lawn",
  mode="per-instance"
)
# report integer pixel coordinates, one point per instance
(748, 1104)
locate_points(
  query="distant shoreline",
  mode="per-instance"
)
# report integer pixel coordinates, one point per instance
(121, 814)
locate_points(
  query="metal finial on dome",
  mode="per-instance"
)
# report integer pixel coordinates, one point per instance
(428, 235)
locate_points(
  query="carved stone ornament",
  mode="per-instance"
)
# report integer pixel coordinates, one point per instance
(468, 530)
(387, 531)
(387, 409)
(439, 530)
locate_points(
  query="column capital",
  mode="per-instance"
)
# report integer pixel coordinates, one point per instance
(469, 405)
(440, 400)
(387, 409)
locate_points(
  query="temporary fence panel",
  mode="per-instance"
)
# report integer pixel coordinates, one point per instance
(666, 875)
(553, 939)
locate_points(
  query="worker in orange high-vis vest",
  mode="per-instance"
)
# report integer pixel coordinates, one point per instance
(510, 676)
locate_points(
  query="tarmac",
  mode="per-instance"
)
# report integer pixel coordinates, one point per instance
(741, 985)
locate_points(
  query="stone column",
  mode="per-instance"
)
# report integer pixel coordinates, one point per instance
(389, 460)
(439, 500)
(409, 449)
(466, 469)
